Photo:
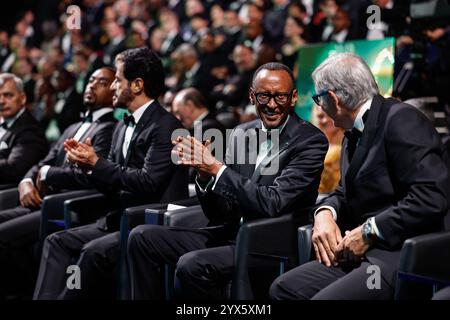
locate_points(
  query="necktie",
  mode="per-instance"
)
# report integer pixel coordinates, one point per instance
(129, 120)
(4, 125)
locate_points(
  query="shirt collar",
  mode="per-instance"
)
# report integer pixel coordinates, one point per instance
(280, 127)
(202, 116)
(97, 114)
(137, 114)
(11, 121)
(359, 123)
(194, 69)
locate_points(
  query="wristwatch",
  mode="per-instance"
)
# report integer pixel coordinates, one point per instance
(368, 231)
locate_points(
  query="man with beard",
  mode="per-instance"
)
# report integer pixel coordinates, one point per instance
(19, 227)
(138, 170)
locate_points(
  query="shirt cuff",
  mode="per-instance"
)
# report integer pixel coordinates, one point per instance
(43, 172)
(221, 170)
(329, 208)
(375, 228)
(27, 180)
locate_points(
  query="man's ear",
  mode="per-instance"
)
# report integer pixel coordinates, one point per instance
(294, 98)
(23, 98)
(137, 86)
(334, 98)
(251, 96)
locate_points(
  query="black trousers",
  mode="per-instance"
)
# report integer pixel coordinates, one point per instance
(316, 281)
(19, 230)
(93, 250)
(202, 272)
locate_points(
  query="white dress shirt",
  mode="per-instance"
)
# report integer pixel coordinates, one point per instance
(80, 132)
(130, 129)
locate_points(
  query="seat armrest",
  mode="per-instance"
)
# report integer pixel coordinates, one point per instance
(86, 209)
(304, 244)
(190, 217)
(9, 198)
(427, 255)
(424, 263)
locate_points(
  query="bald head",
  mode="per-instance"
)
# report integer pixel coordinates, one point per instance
(188, 105)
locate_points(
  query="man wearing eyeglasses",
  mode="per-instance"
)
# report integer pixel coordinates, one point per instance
(272, 167)
(394, 186)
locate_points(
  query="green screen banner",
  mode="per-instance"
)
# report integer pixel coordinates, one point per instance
(378, 54)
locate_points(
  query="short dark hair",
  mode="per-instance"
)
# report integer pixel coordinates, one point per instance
(143, 63)
(274, 66)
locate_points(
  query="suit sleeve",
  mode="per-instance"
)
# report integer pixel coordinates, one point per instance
(297, 180)
(416, 160)
(29, 147)
(149, 179)
(74, 178)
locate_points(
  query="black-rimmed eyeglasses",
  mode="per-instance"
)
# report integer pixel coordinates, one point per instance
(280, 98)
(317, 99)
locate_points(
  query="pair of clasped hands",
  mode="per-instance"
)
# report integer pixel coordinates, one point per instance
(330, 247)
(190, 151)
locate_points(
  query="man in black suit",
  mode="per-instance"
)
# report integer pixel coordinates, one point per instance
(190, 107)
(279, 175)
(137, 171)
(19, 226)
(394, 185)
(22, 141)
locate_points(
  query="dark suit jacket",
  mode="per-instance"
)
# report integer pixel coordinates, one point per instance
(146, 173)
(62, 175)
(242, 191)
(398, 174)
(23, 145)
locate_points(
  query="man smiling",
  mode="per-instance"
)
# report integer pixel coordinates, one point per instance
(234, 190)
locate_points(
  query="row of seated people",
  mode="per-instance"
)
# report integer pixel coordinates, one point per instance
(394, 186)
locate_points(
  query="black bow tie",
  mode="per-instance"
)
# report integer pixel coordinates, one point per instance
(87, 117)
(4, 125)
(353, 135)
(129, 120)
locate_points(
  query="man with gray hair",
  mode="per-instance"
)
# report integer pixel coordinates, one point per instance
(22, 140)
(394, 186)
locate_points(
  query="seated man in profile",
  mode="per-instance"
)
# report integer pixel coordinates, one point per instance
(394, 186)
(19, 229)
(137, 171)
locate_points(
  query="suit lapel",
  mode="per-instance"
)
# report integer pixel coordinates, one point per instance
(142, 123)
(61, 156)
(365, 142)
(248, 167)
(120, 139)
(275, 153)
